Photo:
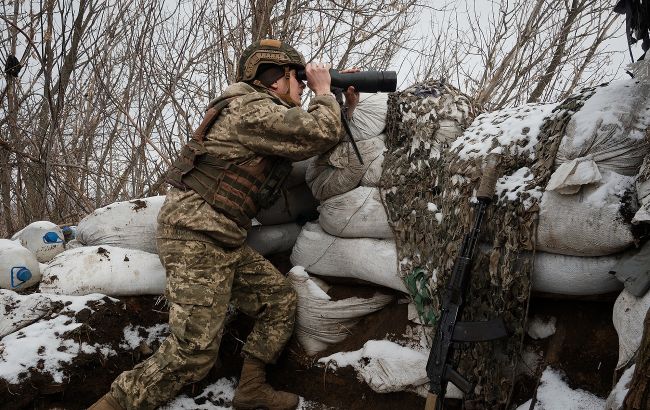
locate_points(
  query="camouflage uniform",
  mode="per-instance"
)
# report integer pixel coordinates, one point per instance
(209, 266)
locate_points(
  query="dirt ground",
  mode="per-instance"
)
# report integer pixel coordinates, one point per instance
(584, 347)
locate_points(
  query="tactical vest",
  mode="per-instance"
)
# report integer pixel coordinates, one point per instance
(237, 190)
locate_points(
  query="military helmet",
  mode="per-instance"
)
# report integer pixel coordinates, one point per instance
(267, 51)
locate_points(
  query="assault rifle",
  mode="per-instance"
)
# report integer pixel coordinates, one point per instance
(449, 330)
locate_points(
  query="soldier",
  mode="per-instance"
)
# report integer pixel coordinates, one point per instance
(234, 164)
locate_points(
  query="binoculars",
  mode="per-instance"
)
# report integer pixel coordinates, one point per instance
(362, 81)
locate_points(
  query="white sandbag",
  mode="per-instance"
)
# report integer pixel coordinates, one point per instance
(294, 204)
(18, 311)
(339, 171)
(127, 224)
(588, 223)
(369, 117)
(19, 268)
(270, 239)
(388, 367)
(104, 269)
(321, 321)
(607, 133)
(371, 260)
(372, 176)
(73, 244)
(628, 316)
(575, 275)
(45, 239)
(355, 214)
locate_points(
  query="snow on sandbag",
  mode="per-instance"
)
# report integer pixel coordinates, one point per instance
(270, 239)
(19, 268)
(371, 260)
(355, 214)
(321, 321)
(628, 316)
(45, 239)
(369, 117)
(18, 311)
(618, 393)
(554, 393)
(339, 171)
(588, 223)
(575, 275)
(104, 269)
(607, 133)
(127, 224)
(294, 204)
(388, 367)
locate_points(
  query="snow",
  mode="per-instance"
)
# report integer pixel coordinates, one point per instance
(618, 97)
(132, 338)
(511, 187)
(218, 395)
(40, 347)
(538, 328)
(554, 394)
(513, 128)
(616, 397)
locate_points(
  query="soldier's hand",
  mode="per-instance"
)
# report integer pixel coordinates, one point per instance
(351, 95)
(318, 77)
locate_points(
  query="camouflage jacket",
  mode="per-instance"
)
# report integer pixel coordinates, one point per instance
(254, 123)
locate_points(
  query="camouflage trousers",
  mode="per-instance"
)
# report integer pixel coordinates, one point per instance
(202, 279)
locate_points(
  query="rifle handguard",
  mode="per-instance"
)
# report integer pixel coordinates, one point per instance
(489, 179)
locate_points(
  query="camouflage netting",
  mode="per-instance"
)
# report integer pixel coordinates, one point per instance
(429, 178)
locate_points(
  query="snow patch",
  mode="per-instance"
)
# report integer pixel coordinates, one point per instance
(538, 328)
(40, 347)
(554, 394)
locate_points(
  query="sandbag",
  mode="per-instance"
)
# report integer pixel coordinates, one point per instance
(607, 133)
(575, 275)
(104, 269)
(294, 204)
(19, 268)
(371, 260)
(321, 321)
(127, 224)
(339, 170)
(355, 214)
(372, 176)
(369, 117)
(18, 311)
(45, 239)
(270, 239)
(588, 223)
(628, 316)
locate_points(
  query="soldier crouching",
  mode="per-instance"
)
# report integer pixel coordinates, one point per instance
(234, 164)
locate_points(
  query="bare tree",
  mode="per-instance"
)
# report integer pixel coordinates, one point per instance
(507, 53)
(110, 90)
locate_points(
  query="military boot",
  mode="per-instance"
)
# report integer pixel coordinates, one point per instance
(107, 402)
(253, 392)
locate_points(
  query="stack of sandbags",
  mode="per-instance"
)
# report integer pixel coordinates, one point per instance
(587, 207)
(352, 238)
(585, 211)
